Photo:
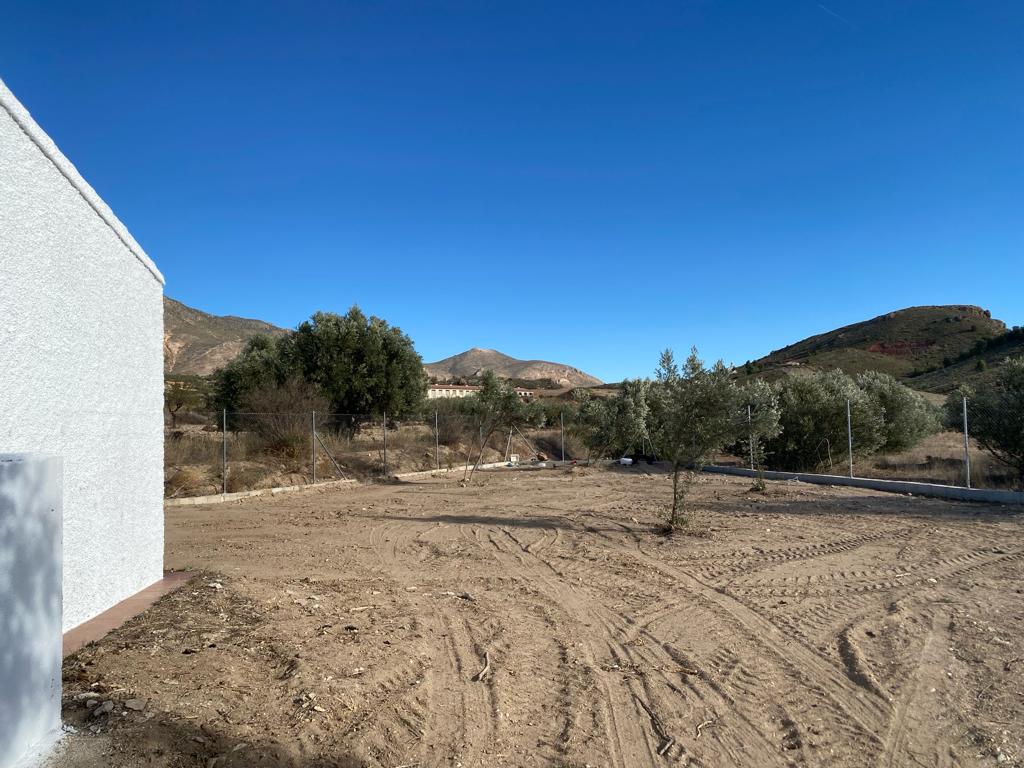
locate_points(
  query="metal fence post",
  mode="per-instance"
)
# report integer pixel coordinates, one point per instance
(561, 428)
(967, 451)
(750, 429)
(437, 443)
(224, 452)
(312, 440)
(849, 434)
(385, 443)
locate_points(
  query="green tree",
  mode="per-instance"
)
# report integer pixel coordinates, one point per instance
(613, 425)
(907, 415)
(257, 366)
(995, 414)
(813, 421)
(760, 409)
(693, 412)
(361, 364)
(179, 395)
(496, 405)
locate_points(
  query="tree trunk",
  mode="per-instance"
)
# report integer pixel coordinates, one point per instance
(483, 446)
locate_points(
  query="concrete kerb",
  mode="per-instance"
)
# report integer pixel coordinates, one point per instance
(219, 498)
(932, 490)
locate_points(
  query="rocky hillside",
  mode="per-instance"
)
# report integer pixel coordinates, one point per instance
(198, 343)
(473, 362)
(929, 348)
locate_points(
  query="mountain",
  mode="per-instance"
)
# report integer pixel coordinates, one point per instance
(198, 343)
(474, 362)
(929, 348)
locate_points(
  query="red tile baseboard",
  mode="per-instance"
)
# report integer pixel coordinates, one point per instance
(114, 617)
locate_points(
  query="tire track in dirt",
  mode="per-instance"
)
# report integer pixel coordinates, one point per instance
(625, 720)
(612, 704)
(778, 735)
(917, 704)
(875, 580)
(460, 713)
(822, 703)
(748, 563)
(796, 711)
(869, 712)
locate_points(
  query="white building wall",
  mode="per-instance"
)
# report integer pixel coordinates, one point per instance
(81, 364)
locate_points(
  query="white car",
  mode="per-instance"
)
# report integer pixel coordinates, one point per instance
(626, 461)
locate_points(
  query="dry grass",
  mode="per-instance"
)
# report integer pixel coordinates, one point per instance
(939, 459)
(262, 459)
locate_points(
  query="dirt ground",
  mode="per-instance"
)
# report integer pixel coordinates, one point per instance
(536, 619)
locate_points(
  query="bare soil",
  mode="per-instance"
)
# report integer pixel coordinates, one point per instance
(536, 619)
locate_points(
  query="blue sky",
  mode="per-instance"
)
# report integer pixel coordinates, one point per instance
(583, 182)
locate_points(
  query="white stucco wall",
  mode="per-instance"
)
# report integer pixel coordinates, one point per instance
(81, 364)
(30, 604)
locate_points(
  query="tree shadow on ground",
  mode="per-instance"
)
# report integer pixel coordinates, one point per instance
(537, 522)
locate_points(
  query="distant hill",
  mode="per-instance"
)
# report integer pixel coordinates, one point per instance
(197, 343)
(473, 362)
(929, 348)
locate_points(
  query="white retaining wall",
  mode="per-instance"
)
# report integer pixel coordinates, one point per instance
(30, 605)
(81, 364)
(893, 486)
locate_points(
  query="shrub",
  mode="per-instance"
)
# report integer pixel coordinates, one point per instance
(281, 414)
(995, 414)
(908, 417)
(813, 421)
(760, 417)
(613, 425)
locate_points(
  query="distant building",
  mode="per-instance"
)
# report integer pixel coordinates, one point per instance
(436, 391)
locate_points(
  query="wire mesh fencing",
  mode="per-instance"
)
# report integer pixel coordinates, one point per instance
(229, 452)
(961, 448)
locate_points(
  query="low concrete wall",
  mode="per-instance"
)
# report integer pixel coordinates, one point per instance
(31, 602)
(192, 501)
(894, 486)
(219, 498)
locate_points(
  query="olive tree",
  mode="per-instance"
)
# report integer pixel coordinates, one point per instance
(614, 424)
(694, 411)
(907, 415)
(181, 395)
(813, 421)
(760, 408)
(995, 414)
(495, 405)
(257, 366)
(360, 364)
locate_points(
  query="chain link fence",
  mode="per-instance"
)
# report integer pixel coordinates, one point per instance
(949, 455)
(227, 452)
